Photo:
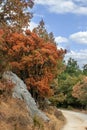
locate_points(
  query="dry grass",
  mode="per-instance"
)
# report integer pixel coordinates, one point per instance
(57, 120)
(15, 116)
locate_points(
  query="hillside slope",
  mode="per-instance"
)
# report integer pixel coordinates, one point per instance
(15, 116)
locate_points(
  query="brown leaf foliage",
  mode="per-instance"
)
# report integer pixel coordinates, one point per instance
(33, 59)
(80, 90)
(14, 14)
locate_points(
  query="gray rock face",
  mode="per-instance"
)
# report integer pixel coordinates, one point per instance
(20, 91)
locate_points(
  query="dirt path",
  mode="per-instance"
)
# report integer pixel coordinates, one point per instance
(75, 120)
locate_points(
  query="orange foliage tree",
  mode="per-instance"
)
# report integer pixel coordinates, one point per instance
(80, 91)
(33, 59)
(3, 58)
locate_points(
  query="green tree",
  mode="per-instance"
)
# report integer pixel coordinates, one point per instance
(72, 68)
(66, 83)
(41, 31)
(66, 80)
(85, 69)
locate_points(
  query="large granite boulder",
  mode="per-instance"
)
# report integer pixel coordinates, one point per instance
(20, 91)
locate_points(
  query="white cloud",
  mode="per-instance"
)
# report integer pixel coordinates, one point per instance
(60, 47)
(79, 37)
(61, 39)
(80, 57)
(32, 25)
(65, 6)
(38, 15)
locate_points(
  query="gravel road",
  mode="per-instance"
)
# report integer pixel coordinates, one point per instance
(75, 120)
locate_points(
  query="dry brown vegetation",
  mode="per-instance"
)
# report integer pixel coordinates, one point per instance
(57, 119)
(15, 116)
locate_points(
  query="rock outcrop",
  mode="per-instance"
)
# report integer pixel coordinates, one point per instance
(20, 91)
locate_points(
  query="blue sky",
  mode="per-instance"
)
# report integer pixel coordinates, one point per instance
(67, 19)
